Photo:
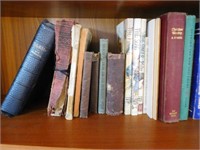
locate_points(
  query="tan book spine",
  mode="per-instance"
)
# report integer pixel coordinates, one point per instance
(86, 37)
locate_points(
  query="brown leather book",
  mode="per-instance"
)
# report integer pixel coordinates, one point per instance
(85, 39)
(115, 84)
(85, 90)
(94, 88)
(63, 58)
(171, 61)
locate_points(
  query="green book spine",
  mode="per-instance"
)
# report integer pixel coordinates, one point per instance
(103, 76)
(187, 66)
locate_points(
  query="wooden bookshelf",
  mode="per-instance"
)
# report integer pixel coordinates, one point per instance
(19, 22)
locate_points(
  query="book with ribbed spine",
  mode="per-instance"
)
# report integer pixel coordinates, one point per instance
(102, 76)
(76, 31)
(187, 66)
(30, 69)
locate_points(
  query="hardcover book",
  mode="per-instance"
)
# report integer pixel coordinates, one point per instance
(85, 39)
(94, 89)
(102, 76)
(115, 84)
(76, 31)
(187, 66)
(194, 109)
(171, 61)
(31, 67)
(59, 85)
(85, 92)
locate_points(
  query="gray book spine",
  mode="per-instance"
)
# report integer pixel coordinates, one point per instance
(94, 88)
(102, 76)
(85, 91)
(115, 84)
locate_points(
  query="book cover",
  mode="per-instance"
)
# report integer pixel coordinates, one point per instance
(59, 84)
(115, 84)
(171, 61)
(76, 31)
(128, 64)
(85, 90)
(135, 67)
(194, 108)
(30, 69)
(187, 66)
(141, 66)
(102, 76)
(94, 88)
(85, 39)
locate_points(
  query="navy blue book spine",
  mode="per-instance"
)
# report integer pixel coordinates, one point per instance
(194, 109)
(30, 70)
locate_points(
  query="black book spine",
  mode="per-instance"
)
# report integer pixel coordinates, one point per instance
(30, 70)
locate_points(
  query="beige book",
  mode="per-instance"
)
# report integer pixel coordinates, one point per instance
(76, 31)
(85, 39)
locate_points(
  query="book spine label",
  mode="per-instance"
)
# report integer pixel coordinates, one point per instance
(115, 84)
(187, 66)
(172, 46)
(85, 39)
(59, 85)
(135, 66)
(128, 72)
(27, 77)
(141, 66)
(102, 76)
(94, 84)
(85, 92)
(120, 30)
(76, 30)
(194, 109)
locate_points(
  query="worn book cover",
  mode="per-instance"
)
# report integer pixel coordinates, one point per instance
(187, 66)
(115, 84)
(76, 31)
(29, 72)
(103, 76)
(171, 62)
(94, 88)
(59, 85)
(85, 90)
(85, 39)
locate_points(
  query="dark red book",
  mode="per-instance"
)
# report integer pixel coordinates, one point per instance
(171, 61)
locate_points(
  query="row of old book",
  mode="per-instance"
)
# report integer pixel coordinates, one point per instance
(152, 75)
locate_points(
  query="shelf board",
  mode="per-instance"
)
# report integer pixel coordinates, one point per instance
(98, 131)
(96, 9)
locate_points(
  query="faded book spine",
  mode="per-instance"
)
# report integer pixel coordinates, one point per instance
(187, 66)
(94, 89)
(120, 30)
(135, 66)
(171, 61)
(29, 72)
(76, 30)
(129, 63)
(141, 66)
(102, 76)
(63, 59)
(115, 84)
(85, 39)
(85, 92)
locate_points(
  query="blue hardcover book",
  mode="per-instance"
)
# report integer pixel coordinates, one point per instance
(194, 110)
(30, 70)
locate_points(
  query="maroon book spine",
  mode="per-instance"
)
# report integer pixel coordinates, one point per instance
(171, 61)
(85, 90)
(115, 84)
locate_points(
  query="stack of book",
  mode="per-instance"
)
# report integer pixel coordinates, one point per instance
(152, 75)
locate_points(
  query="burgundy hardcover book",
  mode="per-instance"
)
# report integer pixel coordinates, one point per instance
(115, 84)
(94, 84)
(85, 90)
(171, 60)
(59, 85)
